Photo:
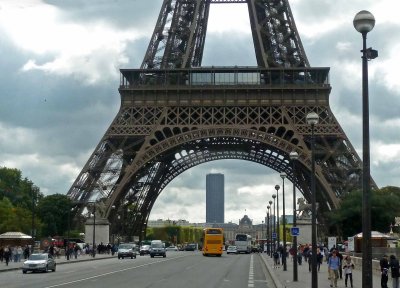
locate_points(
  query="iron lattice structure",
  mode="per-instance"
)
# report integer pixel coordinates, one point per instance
(175, 114)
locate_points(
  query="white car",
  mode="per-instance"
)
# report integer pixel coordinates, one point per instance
(39, 262)
(172, 248)
(232, 249)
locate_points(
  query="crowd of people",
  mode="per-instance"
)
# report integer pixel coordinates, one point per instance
(14, 253)
(392, 265)
(338, 264)
(72, 250)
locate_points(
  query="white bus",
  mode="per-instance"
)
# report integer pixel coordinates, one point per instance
(243, 243)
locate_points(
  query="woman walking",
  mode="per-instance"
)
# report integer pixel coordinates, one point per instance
(348, 267)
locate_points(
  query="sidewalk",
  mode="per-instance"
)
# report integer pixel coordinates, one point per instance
(59, 261)
(285, 278)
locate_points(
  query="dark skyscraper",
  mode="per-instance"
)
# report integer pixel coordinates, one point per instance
(215, 199)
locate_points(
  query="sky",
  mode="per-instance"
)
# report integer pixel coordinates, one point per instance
(59, 78)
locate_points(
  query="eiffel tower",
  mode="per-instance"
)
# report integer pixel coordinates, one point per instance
(176, 114)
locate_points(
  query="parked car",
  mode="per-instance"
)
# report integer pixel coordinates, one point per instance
(231, 249)
(172, 248)
(126, 250)
(144, 250)
(39, 262)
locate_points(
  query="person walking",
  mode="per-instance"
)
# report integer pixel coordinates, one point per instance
(7, 255)
(384, 263)
(340, 256)
(394, 269)
(348, 267)
(333, 267)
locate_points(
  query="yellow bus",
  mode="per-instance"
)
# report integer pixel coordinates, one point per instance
(212, 240)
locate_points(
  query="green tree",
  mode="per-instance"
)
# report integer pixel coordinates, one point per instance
(346, 221)
(53, 211)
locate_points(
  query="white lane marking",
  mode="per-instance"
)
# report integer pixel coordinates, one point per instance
(250, 282)
(112, 272)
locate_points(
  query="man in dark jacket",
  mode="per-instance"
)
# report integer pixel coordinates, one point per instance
(384, 263)
(394, 268)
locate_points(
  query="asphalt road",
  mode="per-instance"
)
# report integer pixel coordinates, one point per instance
(178, 269)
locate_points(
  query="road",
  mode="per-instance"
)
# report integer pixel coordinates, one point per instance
(178, 269)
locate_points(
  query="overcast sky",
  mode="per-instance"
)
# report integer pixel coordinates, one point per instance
(59, 80)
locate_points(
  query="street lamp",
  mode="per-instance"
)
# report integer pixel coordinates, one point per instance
(33, 218)
(312, 119)
(277, 216)
(69, 228)
(268, 207)
(283, 176)
(294, 156)
(273, 247)
(262, 229)
(364, 22)
(94, 230)
(270, 224)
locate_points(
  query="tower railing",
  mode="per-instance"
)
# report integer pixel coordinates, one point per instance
(225, 76)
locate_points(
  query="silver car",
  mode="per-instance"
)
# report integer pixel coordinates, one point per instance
(231, 249)
(39, 262)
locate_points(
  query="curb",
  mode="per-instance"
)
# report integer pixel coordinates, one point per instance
(277, 282)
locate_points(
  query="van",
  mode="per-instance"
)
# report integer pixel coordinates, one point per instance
(157, 248)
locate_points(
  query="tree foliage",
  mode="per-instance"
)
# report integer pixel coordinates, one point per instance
(18, 196)
(54, 212)
(346, 221)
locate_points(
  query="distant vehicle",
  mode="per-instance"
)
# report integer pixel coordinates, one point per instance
(190, 247)
(126, 250)
(171, 248)
(39, 262)
(231, 249)
(157, 248)
(213, 241)
(144, 250)
(243, 243)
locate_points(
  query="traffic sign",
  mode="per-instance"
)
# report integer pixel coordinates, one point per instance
(273, 235)
(295, 231)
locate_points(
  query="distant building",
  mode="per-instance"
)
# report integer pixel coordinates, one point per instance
(215, 199)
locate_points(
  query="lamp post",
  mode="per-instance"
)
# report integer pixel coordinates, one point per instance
(262, 229)
(283, 176)
(268, 243)
(294, 156)
(277, 216)
(364, 22)
(94, 230)
(270, 224)
(273, 245)
(69, 228)
(33, 219)
(312, 119)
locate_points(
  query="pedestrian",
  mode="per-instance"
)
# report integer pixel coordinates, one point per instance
(7, 255)
(276, 259)
(384, 271)
(320, 258)
(348, 267)
(394, 269)
(19, 253)
(26, 252)
(340, 256)
(333, 267)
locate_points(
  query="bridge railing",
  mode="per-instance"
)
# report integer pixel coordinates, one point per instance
(225, 76)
